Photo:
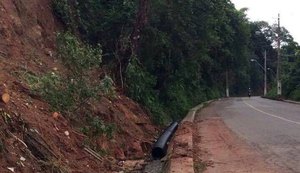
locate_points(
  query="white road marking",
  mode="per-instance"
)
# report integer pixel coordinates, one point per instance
(271, 115)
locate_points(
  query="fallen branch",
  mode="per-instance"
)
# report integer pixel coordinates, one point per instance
(18, 139)
(93, 153)
(38, 147)
(74, 131)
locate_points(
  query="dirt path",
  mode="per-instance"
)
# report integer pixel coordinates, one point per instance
(218, 150)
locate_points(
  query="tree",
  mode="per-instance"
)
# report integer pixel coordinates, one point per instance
(175, 54)
(260, 41)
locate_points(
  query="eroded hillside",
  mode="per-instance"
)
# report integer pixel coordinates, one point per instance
(34, 138)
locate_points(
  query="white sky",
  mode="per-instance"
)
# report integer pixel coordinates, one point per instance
(267, 10)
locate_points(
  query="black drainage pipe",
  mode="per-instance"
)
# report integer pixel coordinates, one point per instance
(159, 149)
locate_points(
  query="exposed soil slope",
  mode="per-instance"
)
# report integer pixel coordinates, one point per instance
(32, 140)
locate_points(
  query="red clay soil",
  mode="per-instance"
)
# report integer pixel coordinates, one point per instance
(181, 154)
(27, 44)
(218, 149)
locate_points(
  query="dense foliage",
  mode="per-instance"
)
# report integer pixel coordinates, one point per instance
(172, 55)
(264, 38)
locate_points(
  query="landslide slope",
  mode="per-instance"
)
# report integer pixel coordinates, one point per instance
(32, 137)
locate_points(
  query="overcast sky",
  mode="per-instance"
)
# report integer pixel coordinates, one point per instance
(267, 10)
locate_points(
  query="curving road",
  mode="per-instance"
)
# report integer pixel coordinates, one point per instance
(272, 127)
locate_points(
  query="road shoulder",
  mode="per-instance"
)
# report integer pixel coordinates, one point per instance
(218, 149)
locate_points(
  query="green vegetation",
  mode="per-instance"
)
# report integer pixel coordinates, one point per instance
(68, 94)
(199, 167)
(272, 94)
(65, 94)
(291, 78)
(79, 58)
(264, 37)
(140, 85)
(171, 56)
(52, 88)
(97, 127)
(107, 87)
(63, 11)
(55, 166)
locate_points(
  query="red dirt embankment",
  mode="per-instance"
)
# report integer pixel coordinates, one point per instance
(27, 44)
(181, 154)
(180, 158)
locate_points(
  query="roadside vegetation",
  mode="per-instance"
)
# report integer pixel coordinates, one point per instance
(199, 167)
(172, 56)
(70, 94)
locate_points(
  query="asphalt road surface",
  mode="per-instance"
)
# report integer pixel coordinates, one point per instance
(271, 127)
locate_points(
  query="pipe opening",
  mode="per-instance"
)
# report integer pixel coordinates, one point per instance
(158, 153)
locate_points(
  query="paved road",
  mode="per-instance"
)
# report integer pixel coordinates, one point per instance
(272, 127)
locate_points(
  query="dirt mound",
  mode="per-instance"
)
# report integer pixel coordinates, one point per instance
(34, 139)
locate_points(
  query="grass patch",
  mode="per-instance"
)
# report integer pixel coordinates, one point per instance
(55, 166)
(63, 94)
(97, 127)
(199, 167)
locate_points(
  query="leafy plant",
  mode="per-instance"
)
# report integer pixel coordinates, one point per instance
(272, 93)
(97, 127)
(295, 94)
(63, 11)
(140, 85)
(78, 57)
(65, 94)
(51, 88)
(62, 94)
(107, 87)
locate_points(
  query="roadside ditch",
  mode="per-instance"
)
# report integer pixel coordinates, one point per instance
(179, 157)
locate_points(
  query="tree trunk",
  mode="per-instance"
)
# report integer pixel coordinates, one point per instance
(140, 22)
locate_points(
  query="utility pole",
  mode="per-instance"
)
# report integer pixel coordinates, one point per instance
(279, 88)
(227, 84)
(265, 70)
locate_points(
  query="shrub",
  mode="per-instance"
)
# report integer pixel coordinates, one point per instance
(51, 88)
(107, 87)
(62, 10)
(65, 94)
(140, 85)
(272, 93)
(78, 57)
(97, 127)
(62, 94)
(178, 101)
(295, 94)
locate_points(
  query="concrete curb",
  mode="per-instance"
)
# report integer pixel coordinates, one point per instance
(291, 101)
(180, 153)
(191, 114)
(281, 100)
